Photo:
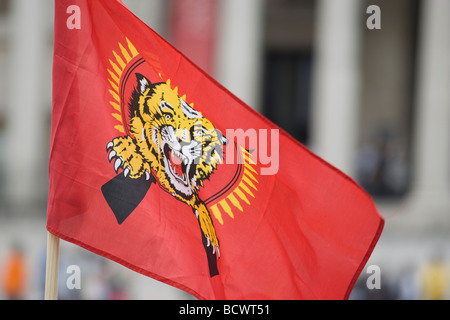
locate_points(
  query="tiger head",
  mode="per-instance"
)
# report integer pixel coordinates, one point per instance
(182, 147)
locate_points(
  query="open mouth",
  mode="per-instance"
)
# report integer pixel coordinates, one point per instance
(177, 164)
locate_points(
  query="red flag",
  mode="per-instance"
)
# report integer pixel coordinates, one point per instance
(156, 166)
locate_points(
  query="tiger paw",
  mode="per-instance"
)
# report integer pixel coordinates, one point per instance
(122, 152)
(208, 229)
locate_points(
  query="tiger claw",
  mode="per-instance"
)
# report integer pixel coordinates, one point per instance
(126, 171)
(216, 251)
(112, 154)
(117, 164)
(109, 145)
(147, 175)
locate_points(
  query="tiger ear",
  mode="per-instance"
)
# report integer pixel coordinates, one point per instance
(142, 83)
(222, 138)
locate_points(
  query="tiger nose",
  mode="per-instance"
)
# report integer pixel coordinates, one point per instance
(183, 135)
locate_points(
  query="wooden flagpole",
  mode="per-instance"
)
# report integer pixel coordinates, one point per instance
(51, 269)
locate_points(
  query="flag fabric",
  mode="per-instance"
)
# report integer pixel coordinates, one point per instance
(156, 166)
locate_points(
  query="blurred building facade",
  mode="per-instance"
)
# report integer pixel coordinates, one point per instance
(372, 102)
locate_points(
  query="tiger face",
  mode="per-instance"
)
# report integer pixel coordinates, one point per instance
(171, 138)
(188, 155)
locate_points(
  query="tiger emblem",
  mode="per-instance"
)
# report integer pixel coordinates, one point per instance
(171, 140)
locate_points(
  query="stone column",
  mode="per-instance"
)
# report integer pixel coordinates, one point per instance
(429, 204)
(239, 48)
(26, 101)
(336, 82)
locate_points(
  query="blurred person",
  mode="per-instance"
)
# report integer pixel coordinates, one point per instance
(408, 283)
(14, 274)
(117, 289)
(435, 279)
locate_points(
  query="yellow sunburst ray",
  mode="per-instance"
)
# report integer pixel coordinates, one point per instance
(116, 69)
(119, 128)
(175, 89)
(114, 95)
(241, 195)
(224, 204)
(249, 167)
(246, 189)
(119, 60)
(241, 192)
(235, 202)
(118, 117)
(113, 85)
(114, 77)
(115, 106)
(133, 50)
(247, 156)
(216, 213)
(249, 182)
(121, 56)
(248, 174)
(125, 53)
